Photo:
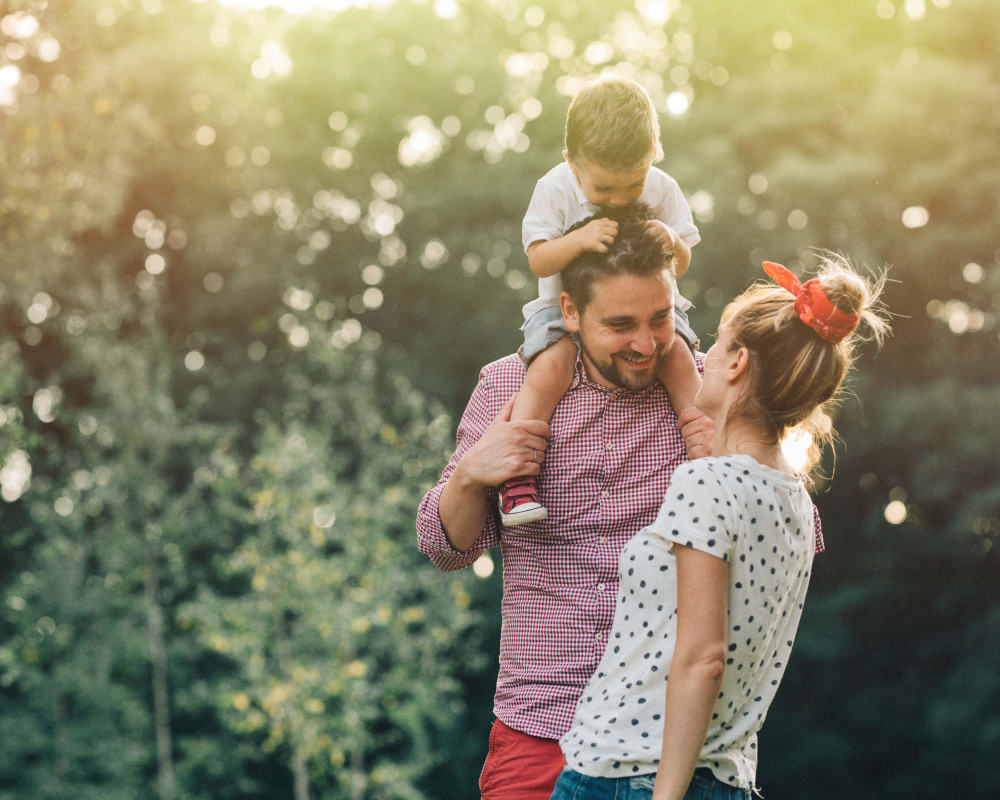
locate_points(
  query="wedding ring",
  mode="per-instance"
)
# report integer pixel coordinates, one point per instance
(534, 456)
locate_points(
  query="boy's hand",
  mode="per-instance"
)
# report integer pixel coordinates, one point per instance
(597, 236)
(698, 432)
(667, 236)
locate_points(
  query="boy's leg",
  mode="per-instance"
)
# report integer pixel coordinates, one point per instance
(548, 376)
(679, 374)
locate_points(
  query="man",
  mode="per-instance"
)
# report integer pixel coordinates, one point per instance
(604, 465)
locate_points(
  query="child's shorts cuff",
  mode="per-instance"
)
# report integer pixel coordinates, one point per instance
(543, 328)
(682, 326)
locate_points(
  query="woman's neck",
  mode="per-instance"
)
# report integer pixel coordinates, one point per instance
(741, 438)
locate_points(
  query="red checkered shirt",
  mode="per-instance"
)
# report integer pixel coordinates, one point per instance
(606, 469)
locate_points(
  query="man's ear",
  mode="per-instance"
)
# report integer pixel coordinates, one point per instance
(571, 315)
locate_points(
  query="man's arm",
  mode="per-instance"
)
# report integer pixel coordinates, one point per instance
(506, 450)
(456, 519)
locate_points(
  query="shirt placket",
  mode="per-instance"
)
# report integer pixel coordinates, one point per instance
(610, 454)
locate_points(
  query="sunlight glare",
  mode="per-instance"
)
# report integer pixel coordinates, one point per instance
(795, 449)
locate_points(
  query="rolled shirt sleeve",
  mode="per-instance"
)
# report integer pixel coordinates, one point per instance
(483, 407)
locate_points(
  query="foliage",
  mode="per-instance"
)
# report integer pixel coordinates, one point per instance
(246, 256)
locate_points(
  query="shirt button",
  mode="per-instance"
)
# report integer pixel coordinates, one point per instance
(601, 587)
(605, 494)
(604, 540)
(609, 446)
(598, 636)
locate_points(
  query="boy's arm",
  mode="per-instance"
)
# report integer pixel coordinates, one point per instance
(672, 210)
(673, 243)
(549, 257)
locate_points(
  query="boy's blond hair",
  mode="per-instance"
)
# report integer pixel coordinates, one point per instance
(612, 123)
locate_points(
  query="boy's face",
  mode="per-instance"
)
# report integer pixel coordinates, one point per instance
(608, 187)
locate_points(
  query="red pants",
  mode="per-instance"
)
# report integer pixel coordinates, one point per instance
(519, 766)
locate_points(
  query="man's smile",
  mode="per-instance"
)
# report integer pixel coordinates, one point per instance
(636, 360)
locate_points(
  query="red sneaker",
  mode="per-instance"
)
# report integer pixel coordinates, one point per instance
(519, 503)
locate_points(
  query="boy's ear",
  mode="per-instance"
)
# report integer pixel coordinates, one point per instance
(571, 315)
(569, 161)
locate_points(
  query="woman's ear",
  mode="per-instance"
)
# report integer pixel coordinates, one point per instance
(739, 364)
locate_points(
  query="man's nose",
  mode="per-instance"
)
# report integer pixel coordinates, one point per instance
(644, 342)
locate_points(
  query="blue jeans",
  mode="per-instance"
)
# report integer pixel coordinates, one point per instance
(704, 786)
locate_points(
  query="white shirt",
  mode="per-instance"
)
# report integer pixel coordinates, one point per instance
(758, 519)
(558, 203)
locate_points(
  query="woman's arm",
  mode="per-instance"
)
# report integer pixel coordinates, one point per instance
(697, 669)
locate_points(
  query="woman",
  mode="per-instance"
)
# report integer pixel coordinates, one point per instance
(712, 591)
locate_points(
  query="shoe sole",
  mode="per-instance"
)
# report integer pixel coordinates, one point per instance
(524, 517)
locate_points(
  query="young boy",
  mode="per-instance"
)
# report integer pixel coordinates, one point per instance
(612, 141)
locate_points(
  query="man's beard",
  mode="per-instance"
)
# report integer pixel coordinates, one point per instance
(627, 379)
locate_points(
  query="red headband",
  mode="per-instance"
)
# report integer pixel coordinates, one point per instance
(813, 306)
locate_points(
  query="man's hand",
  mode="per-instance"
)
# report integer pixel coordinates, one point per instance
(506, 450)
(597, 235)
(698, 432)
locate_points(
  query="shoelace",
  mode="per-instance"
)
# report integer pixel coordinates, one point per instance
(518, 490)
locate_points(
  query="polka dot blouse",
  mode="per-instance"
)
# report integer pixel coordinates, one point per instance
(759, 520)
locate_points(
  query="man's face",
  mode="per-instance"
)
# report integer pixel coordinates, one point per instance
(626, 329)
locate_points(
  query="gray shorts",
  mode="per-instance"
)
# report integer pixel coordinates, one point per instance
(543, 328)
(546, 327)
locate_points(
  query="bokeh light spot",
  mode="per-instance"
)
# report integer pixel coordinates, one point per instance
(798, 219)
(895, 512)
(915, 217)
(757, 183)
(677, 103)
(885, 9)
(155, 263)
(483, 566)
(973, 272)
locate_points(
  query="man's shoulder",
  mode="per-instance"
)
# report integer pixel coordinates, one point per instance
(505, 375)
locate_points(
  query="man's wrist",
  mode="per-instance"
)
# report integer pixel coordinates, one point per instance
(466, 483)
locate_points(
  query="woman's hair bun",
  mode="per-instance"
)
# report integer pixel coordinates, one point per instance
(854, 294)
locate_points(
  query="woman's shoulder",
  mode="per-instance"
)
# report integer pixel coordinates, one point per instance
(701, 468)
